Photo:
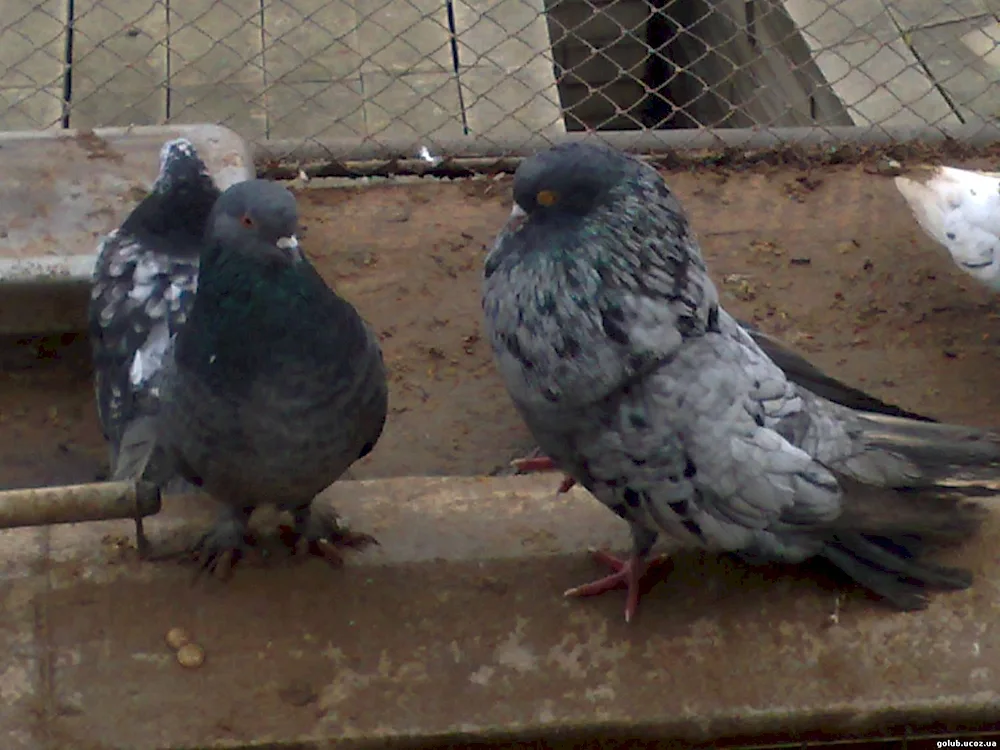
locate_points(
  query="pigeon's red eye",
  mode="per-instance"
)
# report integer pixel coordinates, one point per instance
(247, 221)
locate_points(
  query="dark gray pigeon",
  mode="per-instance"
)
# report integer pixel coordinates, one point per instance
(143, 287)
(609, 336)
(275, 385)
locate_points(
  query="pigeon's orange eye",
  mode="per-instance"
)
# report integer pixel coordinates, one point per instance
(547, 197)
(247, 221)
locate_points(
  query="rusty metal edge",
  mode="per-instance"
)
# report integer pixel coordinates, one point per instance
(831, 725)
(475, 155)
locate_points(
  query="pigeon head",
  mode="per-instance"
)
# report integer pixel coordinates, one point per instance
(261, 218)
(572, 178)
(179, 164)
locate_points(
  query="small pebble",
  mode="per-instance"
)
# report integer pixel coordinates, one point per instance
(191, 656)
(177, 638)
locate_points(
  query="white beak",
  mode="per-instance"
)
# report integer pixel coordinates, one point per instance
(517, 217)
(291, 245)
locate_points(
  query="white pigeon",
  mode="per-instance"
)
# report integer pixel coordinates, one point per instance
(960, 209)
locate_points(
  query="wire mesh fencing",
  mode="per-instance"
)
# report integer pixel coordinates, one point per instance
(297, 74)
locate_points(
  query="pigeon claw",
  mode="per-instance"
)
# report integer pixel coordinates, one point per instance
(326, 550)
(219, 559)
(626, 574)
(353, 539)
(329, 547)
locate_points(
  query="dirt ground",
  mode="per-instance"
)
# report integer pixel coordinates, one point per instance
(830, 259)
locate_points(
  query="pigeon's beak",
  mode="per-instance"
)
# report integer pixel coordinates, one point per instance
(290, 245)
(516, 218)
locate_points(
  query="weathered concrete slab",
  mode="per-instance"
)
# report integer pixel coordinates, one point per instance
(404, 36)
(463, 599)
(242, 66)
(824, 24)
(504, 104)
(62, 190)
(32, 64)
(868, 51)
(212, 42)
(964, 59)
(423, 106)
(882, 83)
(310, 40)
(319, 110)
(119, 63)
(506, 68)
(33, 43)
(237, 106)
(912, 14)
(31, 108)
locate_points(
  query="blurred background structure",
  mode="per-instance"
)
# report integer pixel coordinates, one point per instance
(505, 72)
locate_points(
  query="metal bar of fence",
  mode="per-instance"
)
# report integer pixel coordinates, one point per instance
(395, 155)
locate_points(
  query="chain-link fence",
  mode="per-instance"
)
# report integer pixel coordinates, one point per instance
(295, 74)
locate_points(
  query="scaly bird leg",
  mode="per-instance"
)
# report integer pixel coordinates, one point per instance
(532, 464)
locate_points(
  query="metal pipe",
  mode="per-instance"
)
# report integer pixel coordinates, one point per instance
(348, 150)
(100, 501)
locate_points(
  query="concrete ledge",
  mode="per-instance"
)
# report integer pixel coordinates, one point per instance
(860, 51)
(61, 190)
(456, 628)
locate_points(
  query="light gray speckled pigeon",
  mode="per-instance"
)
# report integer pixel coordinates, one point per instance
(609, 336)
(143, 287)
(797, 369)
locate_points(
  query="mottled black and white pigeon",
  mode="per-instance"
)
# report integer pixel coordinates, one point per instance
(143, 287)
(274, 386)
(610, 338)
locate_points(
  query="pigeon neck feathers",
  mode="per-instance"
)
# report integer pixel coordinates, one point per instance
(637, 240)
(175, 213)
(245, 298)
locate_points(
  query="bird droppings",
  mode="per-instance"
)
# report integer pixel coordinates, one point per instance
(177, 638)
(190, 656)
(96, 146)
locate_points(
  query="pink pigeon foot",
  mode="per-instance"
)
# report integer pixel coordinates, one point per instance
(542, 463)
(628, 574)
